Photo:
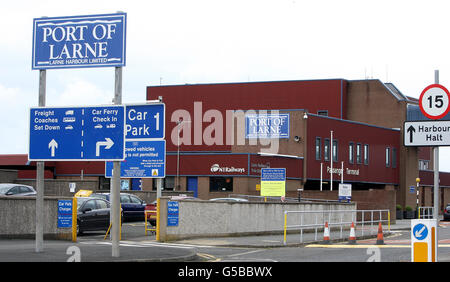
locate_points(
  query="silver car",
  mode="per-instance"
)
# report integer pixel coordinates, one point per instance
(10, 189)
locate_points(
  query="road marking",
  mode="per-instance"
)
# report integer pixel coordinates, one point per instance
(342, 246)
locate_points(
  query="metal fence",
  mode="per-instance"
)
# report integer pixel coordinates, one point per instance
(425, 212)
(254, 198)
(366, 220)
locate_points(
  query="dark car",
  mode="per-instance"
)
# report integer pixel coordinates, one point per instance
(447, 212)
(133, 207)
(9, 189)
(93, 214)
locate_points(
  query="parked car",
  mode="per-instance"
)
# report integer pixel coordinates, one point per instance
(133, 207)
(10, 189)
(92, 214)
(229, 199)
(447, 212)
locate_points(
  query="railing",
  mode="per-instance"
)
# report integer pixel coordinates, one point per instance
(255, 198)
(315, 220)
(425, 212)
(152, 229)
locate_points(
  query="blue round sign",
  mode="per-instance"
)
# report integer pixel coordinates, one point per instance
(420, 231)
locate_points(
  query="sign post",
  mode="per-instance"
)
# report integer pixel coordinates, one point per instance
(74, 42)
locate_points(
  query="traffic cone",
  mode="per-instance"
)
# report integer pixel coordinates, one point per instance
(352, 237)
(326, 234)
(380, 240)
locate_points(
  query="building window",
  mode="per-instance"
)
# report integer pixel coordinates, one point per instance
(335, 150)
(318, 148)
(394, 158)
(168, 183)
(326, 149)
(103, 183)
(424, 165)
(221, 184)
(388, 157)
(358, 153)
(366, 154)
(322, 113)
(351, 153)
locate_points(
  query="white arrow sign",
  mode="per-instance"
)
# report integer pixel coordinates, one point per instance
(418, 233)
(108, 143)
(426, 133)
(52, 146)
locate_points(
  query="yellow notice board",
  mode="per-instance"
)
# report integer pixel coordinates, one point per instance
(273, 182)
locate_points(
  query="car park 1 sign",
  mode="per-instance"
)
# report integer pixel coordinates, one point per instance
(79, 41)
(145, 121)
(77, 133)
(144, 159)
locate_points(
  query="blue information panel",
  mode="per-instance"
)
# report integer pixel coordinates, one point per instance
(267, 126)
(79, 41)
(173, 212)
(145, 121)
(77, 133)
(273, 174)
(144, 159)
(64, 213)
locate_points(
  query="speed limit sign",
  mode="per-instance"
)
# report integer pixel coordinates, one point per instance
(434, 101)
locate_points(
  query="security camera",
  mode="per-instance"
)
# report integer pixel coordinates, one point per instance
(297, 139)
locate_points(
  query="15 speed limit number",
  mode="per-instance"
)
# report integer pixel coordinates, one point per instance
(434, 101)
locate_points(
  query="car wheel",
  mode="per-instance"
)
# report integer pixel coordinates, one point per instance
(79, 232)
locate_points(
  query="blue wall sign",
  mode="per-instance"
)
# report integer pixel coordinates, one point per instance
(64, 213)
(173, 212)
(77, 133)
(273, 174)
(79, 41)
(267, 126)
(420, 231)
(144, 159)
(145, 121)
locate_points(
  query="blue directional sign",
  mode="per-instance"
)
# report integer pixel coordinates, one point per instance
(420, 231)
(145, 121)
(79, 41)
(144, 159)
(77, 133)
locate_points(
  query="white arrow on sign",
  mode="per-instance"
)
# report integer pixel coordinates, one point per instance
(52, 146)
(418, 233)
(108, 143)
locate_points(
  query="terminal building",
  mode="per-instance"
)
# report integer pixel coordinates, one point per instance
(324, 132)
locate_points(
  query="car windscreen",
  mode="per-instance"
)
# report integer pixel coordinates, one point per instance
(4, 189)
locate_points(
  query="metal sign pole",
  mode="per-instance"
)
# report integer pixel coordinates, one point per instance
(115, 189)
(39, 238)
(436, 179)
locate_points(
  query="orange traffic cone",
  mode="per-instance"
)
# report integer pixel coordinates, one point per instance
(380, 240)
(326, 234)
(352, 237)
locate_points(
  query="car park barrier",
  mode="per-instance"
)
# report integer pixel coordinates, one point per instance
(147, 224)
(425, 212)
(315, 221)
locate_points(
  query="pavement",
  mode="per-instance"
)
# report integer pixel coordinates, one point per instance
(139, 248)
